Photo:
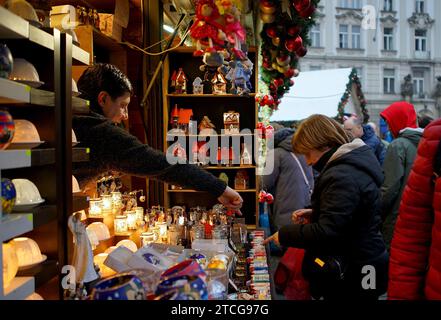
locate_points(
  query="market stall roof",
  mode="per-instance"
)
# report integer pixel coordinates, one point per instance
(314, 92)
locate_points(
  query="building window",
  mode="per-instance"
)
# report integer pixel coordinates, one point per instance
(389, 81)
(351, 4)
(419, 6)
(356, 37)
(344, 36)
(421, 40)
(388, 39)
(315, 36)
(418, 83)
(388, 5)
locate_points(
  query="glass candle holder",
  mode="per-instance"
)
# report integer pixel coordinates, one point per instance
(116, 199)
(107, 203)
(162, 231)
(155, 231)
(147, 238)
(120, 224)
(139, 214)
(173, 234)
(95, 206)
(131, 219)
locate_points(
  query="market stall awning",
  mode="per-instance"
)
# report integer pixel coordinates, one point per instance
(314, 92)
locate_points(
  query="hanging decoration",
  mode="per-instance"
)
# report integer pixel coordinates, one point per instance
(353, 84)
(284, 40)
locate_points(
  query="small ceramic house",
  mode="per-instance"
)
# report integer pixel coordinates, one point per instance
(219, 84)
(198, 87)
(231, 122)
(181, 82)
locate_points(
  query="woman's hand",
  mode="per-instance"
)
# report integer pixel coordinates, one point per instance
(274, 238)
(302, 216)
(231, 199)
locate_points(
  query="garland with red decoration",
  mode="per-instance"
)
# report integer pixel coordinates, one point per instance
(353, 79)
(285, 36)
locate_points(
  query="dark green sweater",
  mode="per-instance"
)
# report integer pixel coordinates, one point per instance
(114, 149)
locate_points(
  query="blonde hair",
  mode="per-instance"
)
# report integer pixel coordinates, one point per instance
(318, 132)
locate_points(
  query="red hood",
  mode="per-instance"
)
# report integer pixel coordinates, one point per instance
(400, 115)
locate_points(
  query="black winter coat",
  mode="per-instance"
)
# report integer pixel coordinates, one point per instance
(345, 221)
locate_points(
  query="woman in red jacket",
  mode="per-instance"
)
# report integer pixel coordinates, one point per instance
(415, 260)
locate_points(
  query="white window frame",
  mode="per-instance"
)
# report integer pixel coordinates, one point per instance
(388, 39)
(350, 4)
(388, 5)
(421, 41)
(343, 37)
(420, 6)
(356, 37)
(388, 82)
(315, 35)
(418, 83)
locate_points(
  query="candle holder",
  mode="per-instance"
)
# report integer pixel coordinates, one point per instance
(162, 231)
(116, 200)
(107, 203)
(147, 238)
(95, 207)
(139, 214)
(120, 225)
(131, 219)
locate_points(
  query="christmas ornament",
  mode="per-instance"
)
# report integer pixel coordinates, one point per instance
(7, 129)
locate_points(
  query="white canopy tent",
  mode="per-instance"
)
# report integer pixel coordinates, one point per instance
(316, 92)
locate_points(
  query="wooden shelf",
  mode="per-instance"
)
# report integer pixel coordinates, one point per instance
(14, 159)
(14, 225)
(23, 30)
(105, 42)
(107, 5)
(41, 273)
(80, 202)
(16, 93)
(19, 289)
(229, 95)
(194, 191)
(41, 215)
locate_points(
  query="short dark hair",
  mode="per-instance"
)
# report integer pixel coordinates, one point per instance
(103, 77)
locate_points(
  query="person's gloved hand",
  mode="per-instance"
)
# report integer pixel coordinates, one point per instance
(231, 199)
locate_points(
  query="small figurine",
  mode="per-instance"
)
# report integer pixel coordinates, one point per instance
(181, 82)
(83, 256)
(174, 119)
(198, 87)
(206, 29)
(239, 74)
(96, 18)
(214, 63)
(231, 122)
(219, 84)
(206, 125)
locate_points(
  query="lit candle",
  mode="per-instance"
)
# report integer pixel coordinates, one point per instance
(95, 207)
(139, 214)
(120, 224)
(131, 219)
(162, 231)
(107, 202)
(147, 238)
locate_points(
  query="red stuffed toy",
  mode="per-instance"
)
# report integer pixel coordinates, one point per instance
(206, 29)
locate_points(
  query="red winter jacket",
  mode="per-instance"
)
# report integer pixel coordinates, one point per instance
(415, 259)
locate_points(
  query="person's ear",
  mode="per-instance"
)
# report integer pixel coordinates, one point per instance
(102, 97)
